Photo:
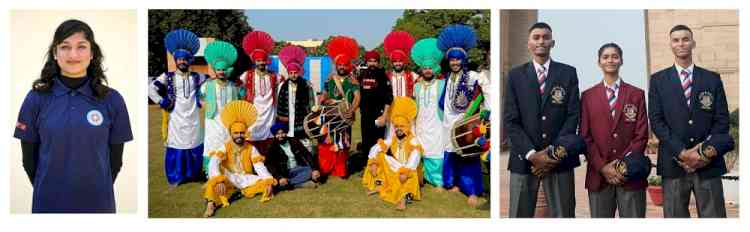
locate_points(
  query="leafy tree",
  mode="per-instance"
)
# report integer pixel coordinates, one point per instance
(226, 25)
(428, 23)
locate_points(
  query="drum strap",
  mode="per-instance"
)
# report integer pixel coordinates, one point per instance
(339, 86)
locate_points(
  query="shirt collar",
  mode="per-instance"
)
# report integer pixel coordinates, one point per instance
(679, 69)
(617, 83)
(59, 88)
(177, 72)
(545, 65)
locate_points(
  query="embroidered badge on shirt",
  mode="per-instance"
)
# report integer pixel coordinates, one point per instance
(95, 117)
(558, 95)
(630, 112)
(560, 153)
(621, 167)
(369, 84)
(706, 99)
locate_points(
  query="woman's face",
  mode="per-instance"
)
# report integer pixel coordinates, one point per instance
(73, 55)
(610, 60)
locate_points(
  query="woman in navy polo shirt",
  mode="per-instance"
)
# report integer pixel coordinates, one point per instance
(72, 127)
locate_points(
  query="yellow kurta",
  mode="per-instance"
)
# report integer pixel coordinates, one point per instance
(242, 169)
(405, 160)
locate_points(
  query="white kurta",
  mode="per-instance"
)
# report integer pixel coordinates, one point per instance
(291, 102)
(399, 88)
(399, 160)
(398, 84)
(239, 178)
(452, 116)
(216, 133)
(429, 128)
(263, 103)
(184, 127)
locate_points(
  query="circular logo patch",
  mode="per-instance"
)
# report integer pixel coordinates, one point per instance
(95, 117)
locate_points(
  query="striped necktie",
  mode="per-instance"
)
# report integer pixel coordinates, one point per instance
(541, 73)
(687, 84)
(612, 98)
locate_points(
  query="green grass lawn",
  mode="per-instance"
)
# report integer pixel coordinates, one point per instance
(336, 198)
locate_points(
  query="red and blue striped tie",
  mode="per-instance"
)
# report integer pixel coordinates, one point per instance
(542, 77)
(612, 99)
(687, 85)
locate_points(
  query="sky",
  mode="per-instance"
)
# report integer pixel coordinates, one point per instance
(578, 35)
(368, 27)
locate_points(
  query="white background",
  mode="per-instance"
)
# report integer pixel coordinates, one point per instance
(115, 32)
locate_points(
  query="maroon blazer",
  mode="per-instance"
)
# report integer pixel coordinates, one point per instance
(610, 138)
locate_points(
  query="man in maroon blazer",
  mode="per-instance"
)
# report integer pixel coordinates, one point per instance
(614, 124)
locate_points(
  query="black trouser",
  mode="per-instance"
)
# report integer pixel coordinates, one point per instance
(370, 132)
(370, 135)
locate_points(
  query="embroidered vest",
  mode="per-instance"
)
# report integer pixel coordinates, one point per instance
(250, 85)
(211, 102)
(245, 159)
(408, 147)
(170, 87)
(409, 78)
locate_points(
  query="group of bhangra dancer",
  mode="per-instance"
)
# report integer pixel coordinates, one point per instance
(267, 132)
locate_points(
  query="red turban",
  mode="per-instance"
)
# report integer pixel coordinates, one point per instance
(372, 55)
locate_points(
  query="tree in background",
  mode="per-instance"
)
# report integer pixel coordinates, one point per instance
(226, 25)
(429, 23)
(232, 25)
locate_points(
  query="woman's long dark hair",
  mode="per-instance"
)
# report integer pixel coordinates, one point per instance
(94, 70)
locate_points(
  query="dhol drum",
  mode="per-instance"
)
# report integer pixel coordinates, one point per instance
(464, 139)
(328, 119)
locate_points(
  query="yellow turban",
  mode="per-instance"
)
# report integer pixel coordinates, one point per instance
(238, 115)
(237, 127)
(403, 112)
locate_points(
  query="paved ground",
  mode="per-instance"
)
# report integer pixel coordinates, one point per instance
(582, 210)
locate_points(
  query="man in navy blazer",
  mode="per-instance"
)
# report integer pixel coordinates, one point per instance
(687, 106)
(542, 106)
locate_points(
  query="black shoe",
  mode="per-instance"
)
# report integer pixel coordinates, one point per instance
(409, 198)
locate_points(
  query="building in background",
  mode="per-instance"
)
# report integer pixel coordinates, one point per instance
(716, 34)
(514, 26)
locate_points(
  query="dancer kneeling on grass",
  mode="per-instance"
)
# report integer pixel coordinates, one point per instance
(289, 161)
(393, 168)
(238, 166)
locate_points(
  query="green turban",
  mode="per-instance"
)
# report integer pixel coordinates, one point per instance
(221, 56)
(425, 54)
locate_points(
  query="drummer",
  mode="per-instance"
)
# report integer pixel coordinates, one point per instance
(340, 88)
(462, 86)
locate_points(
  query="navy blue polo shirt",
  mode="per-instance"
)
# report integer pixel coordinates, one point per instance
(74, 130)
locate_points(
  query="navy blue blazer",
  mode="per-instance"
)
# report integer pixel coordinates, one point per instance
(681, 127)
(534, 121)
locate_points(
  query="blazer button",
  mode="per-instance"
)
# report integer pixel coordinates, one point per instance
(614, 135)
(614, 150)
(544, 118)
(690, 122)
(544, 135)
(691, 140)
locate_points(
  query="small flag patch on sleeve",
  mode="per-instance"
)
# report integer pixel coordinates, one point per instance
(21, 126)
